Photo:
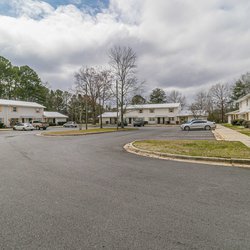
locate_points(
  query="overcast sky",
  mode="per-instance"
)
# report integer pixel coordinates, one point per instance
(186, 45)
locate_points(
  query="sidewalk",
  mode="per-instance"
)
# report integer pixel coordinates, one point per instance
(227, 134)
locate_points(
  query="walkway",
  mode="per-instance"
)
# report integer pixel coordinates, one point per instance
(227, 134)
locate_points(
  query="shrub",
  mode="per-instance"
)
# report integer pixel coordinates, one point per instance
(237, 122)
(2, 125)
(246, 124)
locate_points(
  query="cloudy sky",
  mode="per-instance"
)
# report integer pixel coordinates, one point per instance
(186, 45)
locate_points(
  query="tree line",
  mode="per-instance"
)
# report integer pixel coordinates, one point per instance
(99, 89)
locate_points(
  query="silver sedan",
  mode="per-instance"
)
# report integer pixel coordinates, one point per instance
(198, 124)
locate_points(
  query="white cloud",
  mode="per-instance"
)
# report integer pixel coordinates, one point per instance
(31, 8)
(183, 44)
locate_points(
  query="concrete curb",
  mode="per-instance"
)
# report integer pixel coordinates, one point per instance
(92, 133)
(195, 159)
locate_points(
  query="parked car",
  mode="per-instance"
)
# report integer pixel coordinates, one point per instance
(138, 122)
(40, 125)
(70, 125)
(23, 126)
(124, 123)
(198, 124)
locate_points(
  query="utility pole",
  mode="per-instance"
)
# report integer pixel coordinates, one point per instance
(117, 105)
(80, 118)
(86, 107)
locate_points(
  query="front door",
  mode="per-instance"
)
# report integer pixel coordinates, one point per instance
(158, 120)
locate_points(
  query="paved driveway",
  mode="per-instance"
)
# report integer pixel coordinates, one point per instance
(88, 193)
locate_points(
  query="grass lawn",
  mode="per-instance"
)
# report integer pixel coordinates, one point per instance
(223, 149)
(241, 129)
(85, 132)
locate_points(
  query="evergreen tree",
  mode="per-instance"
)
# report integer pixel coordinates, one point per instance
(157, 96)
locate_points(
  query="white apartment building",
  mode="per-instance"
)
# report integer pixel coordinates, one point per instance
(244, 109)
(12, 111)
(166, 113)
(54, 117)
(108, 118)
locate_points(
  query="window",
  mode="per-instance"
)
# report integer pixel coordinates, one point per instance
(151, 110)
(199, 122)
(151, 119)
(171, 110)
(14, 109)
(140, 111)
(37, 110)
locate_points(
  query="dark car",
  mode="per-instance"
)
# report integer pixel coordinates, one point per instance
(124, 123)
(138, 123)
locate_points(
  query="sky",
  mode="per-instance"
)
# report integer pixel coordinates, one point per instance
(186, 45)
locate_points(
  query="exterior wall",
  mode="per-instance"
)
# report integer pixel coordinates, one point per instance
(61, 120)
(190, 117)
(159, 116)
(55, 120)
(22, 114)
(244, 105)
(108, 120)
(231, 117)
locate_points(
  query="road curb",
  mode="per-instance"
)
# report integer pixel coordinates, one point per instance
(197, 159)
(92, 133)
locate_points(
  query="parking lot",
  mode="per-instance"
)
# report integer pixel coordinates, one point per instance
(163, 132)
(87, 192)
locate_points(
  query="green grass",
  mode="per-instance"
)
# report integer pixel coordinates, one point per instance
(241, 129)
(85, 132)
(222, 149)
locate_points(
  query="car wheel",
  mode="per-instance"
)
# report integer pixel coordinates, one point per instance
(207, 127)
(187, 128)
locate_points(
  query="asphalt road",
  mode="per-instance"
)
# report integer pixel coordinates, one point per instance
(86, 192)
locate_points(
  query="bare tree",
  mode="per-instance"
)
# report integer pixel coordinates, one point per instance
(104, 80)
(176, 97)
(86, 82)
(220, 96)
(123, 65)
(201, 104)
